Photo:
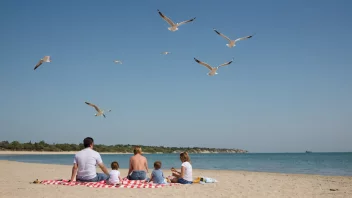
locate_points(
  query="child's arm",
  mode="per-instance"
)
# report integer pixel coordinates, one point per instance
(130, 168)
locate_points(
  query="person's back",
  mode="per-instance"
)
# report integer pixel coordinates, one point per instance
(114, 177)
(138, 162)
(158, 177)
(87, 159)
(84, 164)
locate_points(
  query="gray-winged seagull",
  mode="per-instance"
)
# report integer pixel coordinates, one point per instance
(212, 69)
(232, 43)
(45, 59)
(99, 112)
(174, 26)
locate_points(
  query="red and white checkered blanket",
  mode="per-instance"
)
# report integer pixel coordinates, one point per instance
(102, 184)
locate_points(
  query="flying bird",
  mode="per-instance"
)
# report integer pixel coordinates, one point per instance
(212, 69)
(232, 43)
(174, 27)
(165, 53)
(99, 112)
(117, 61)
(45, 59)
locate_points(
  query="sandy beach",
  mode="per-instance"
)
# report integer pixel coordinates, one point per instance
(16, 177)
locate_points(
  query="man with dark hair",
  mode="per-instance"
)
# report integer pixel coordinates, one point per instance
(84, 164)
(87, 142)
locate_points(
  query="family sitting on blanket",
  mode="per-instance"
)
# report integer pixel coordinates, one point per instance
(85, 161)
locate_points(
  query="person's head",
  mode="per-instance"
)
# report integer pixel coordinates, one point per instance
(184, 157)
(137, 150)
(88, 142)
(157, 165)
(115, 165)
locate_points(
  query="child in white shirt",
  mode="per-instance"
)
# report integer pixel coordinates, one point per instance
(114, 174)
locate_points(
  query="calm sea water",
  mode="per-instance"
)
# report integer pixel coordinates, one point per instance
(306, 163)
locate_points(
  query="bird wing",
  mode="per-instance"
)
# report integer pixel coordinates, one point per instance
(184, 22)
(227, 38)
(166, 19)
(225, 64)
(92, 105)
(47, 59)
(203, 63)
(117, 61)
(38, 64)
(244, 38)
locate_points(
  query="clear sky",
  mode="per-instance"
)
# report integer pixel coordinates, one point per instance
(289, 88)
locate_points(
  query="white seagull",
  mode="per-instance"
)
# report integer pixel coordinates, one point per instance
(212, 69)
(45, 59)
(99, 112)
(117, 61)
(174, 27)
(232, 43)
(165, 53)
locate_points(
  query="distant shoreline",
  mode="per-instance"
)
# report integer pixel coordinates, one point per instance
(42, 147)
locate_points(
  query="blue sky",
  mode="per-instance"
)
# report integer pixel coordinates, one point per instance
(288, 89)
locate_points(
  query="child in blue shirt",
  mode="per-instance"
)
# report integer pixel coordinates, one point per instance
(157, 174)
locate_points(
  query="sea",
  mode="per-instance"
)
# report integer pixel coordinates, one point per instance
(334, 164)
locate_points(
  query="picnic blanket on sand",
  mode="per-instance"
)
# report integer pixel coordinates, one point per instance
(102, 184)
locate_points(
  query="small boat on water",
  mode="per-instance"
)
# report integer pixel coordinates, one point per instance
(308, 151)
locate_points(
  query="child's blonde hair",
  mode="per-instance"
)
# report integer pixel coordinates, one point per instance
(185, 157)
(137, 150)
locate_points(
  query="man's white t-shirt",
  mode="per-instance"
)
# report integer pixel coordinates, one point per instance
(87, 159)
(188, 171)
(114, 177)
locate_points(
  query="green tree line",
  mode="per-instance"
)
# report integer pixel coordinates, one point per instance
(122, 148)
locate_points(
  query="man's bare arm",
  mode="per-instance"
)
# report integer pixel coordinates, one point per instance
(74, 172)
(103, 168)
(146, 165)
(130, 168)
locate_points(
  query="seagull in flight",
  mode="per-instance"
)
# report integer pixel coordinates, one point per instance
(165, 53)
(232, 43)
(212, 69)
(99, 112)
(46, 59)
(174, 26)
(117, 61)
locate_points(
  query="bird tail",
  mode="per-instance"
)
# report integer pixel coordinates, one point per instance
(104, 115)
